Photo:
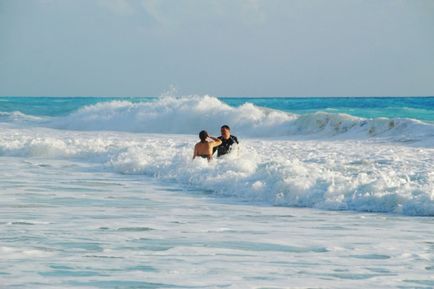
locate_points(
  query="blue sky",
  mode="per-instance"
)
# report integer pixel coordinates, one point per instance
(219, 47)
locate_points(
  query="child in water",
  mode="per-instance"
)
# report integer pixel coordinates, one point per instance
(204, 148)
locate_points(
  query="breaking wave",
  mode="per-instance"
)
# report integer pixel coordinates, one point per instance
(189, 115)
(338, 175)
(354, 171)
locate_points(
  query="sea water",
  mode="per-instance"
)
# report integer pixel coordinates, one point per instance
(103, 193)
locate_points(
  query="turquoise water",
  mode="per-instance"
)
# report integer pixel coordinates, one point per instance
(109, 196)
(421, 108)
(56, 106)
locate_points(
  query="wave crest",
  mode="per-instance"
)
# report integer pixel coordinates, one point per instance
(188, 115)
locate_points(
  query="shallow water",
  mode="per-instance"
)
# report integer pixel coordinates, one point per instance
(89, 199)
(75, 225)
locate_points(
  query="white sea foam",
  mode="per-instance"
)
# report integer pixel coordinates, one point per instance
(19, 117)
(189, 115)
(14, 253)
(181, 115)
(64, 225)
(69, 221)
(342, 175)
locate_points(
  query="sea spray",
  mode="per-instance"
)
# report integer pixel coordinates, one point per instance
(360, 175)
(188, 115)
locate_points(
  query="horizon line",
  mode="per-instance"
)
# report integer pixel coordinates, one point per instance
(314, 96)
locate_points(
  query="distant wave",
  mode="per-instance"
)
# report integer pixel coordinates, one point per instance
(18, 117)
(188, 115)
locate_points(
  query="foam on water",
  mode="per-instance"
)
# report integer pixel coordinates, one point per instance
(18, 118)
(321, 160)
(67, 224)
(188, 115)
(78, 208)
(340, 175)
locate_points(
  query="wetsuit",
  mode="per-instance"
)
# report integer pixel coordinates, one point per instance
(225, 147)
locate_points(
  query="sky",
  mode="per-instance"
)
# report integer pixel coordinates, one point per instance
(252, 48)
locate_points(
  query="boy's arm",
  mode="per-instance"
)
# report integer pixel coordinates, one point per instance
(216, 141)
(195, 152)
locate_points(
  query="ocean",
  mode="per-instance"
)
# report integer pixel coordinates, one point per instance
(320, 193)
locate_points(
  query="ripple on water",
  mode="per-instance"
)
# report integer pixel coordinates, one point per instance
(143, 268)
(85, 246)
(378, 270)
(159, 245)
(254, 246)
(353, 276)
(127, 229)
(134, 229)
(421, 282)
(124, 284)
(371, 256)
(71, 273)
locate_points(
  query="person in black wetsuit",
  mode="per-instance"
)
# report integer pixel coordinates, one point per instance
(227, 141)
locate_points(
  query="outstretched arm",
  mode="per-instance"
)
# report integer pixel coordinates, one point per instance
(216, 141)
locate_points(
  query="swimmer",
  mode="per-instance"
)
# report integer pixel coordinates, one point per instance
(205, 147)
(227, 141)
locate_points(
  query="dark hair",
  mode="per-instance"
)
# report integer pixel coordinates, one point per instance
(203, 135)
(226, 127)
